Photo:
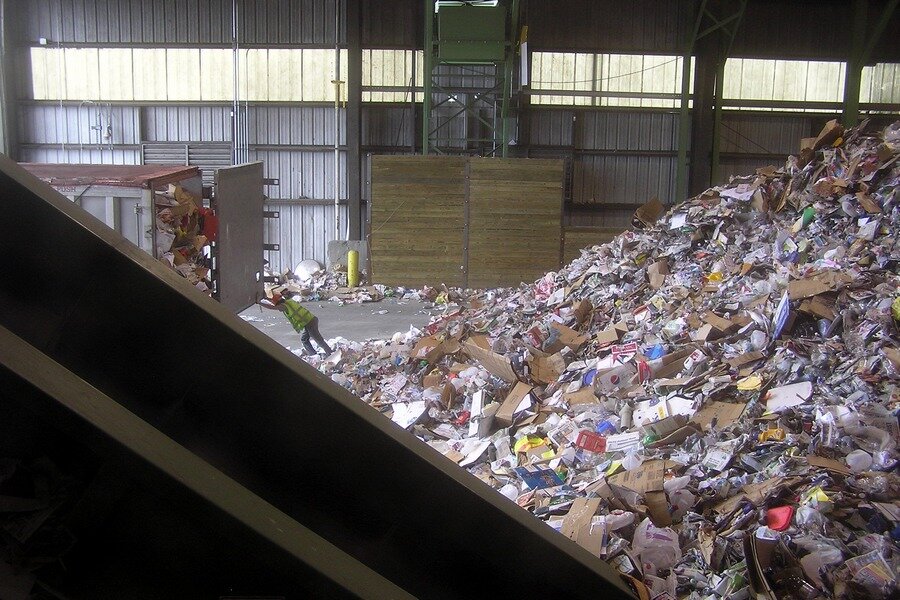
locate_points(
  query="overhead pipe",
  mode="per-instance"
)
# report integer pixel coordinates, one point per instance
(235, 74)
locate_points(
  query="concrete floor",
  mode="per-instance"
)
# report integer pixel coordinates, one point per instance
(355, 322)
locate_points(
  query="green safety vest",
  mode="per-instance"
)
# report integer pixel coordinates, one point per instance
(297, 315)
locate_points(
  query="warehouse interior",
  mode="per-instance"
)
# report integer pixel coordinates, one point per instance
(449, 299)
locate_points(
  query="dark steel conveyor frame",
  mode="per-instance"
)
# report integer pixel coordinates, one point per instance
(106, 312)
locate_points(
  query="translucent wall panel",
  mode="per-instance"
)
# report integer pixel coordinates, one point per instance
(185, 74)
(582, 79)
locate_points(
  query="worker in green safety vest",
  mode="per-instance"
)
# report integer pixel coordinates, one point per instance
(302, 320)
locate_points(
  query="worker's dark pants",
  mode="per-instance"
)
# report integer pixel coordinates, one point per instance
(312, 329)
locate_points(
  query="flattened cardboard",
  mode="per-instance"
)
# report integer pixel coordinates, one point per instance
(676, 437)
(818, 307)
(583, 396)
(722, 324)
(658, 508)
(757, 493)
(448, 394)
(576, 525)
(706, 333)
(665, 426)
(744, 359)
(431, 380)
(507, 410)
(759, 554)
(869, 205)
(646, 478)
(893, 355)
(497, 364)
(670, 364)
(829, 134)
(826, 463)
(817, 284)
(725, 413)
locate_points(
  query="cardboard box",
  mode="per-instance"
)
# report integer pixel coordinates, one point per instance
(582, 312)
(547, 368)
(648, 214)
(567, 337)
(656, 273)
(478, 347)
(520, 394)
(610, 335)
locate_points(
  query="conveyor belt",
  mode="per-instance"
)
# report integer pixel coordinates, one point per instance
(106, 313)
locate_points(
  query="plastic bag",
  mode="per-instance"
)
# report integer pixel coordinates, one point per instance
(657, 547)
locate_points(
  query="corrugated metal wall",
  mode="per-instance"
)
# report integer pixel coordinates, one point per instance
(751, 141)
(174, 123)
(189, 22)
(302, 231)
(617, 157)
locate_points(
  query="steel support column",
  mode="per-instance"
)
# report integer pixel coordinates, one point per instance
(862, 45)
(718, 17)
(703, 117)
(354, 117)
(428, 67)
(715, 169)
(8, 81)
(684, 122)
(853, 75)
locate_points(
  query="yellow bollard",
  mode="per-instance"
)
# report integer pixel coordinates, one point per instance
(352, 268)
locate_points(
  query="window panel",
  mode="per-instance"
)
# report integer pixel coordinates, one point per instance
(784, 80)
(216, 75)
(189, 74)
(82, 73)
(150, 80)
(606, 79)
(48, 74)
(391, 69)
(183, 73)
(116, 74)
(881, 84)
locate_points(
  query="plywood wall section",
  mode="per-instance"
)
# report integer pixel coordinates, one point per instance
(515, 212)
(417, 220)
(576, 238)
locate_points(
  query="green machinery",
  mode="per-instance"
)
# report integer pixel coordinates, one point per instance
(470, 52)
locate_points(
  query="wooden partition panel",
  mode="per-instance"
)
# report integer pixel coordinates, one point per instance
(577, 238)
(515, 212)
(418, 220)
(464, 221)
